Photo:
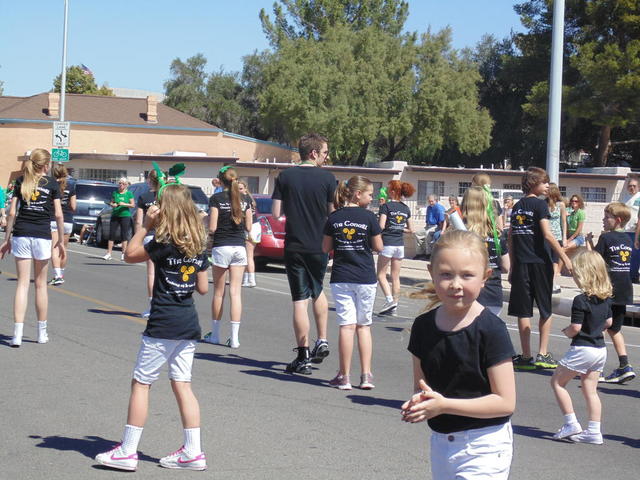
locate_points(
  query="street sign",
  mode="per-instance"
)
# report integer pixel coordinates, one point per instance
(61, 132)
(60, 155)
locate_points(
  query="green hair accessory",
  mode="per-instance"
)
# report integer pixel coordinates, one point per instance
(383, 194)
(492, 219)
(175, 171)
(224, 169)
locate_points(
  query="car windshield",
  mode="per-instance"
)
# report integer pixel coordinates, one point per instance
(94, 193)
(263, 204)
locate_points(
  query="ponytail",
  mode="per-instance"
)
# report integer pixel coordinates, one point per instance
(229, 178)
(32, 172)
(345, 191)
(341, 196)
(60, 173)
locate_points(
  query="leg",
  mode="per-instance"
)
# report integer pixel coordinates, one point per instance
(63, 264)
(345, 347)
(562, 376)
(618, 342)
(187, 404)
(545, 332)
(420, 241)
(383, 264)
(396, 265)
(365, 347)
(23, 269)
(109, 246)
(42, 294)
(321, 314)
(301, 322)
(138, 404)
(251, 264)
(590, 392)
(524, 329)
(55, 255)
(235, 291)
(218, 292)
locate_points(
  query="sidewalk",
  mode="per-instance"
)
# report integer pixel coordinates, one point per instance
(415, 272)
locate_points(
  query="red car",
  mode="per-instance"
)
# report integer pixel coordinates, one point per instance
(271, 246)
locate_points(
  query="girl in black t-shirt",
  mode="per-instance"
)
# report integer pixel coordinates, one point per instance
(462, 368)
(230, 217)
(35, 198)
(68, 204)
(395, 221)
(173, 329)
(143, 203)
(249, 276)
(352, 232)
(590, 317)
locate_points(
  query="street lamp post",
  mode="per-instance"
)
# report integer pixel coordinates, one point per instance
(555, 92)
(63, 78)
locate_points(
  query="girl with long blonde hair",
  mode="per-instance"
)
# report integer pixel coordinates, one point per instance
(558, 225)
(230, 217)
(590, 316)
(173, 329)
(35, 200)
(68, 203)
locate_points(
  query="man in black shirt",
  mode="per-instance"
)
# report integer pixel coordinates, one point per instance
(305, 195)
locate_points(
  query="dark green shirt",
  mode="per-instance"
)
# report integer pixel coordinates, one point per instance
(118, 197)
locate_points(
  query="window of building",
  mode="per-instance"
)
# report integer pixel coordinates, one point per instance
(253, 183)
(104, 174)
(428, 187)
(463, 187)
(563, 190)
(594, 194)
(512, 186)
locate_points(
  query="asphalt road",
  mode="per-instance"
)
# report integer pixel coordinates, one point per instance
(65, 401)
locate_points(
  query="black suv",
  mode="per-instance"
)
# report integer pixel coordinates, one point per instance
(91, 196)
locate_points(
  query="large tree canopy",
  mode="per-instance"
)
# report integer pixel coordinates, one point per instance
(78, 81)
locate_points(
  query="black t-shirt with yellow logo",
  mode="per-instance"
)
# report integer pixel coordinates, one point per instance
(34, 219)
(528, 243)
(173, 314)
(351, 229)
(397, 216)
(615, 248)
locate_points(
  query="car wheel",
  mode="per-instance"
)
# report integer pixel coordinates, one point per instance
(261, 263)
(100, 240)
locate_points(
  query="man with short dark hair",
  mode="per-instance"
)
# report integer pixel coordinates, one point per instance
(305, 194)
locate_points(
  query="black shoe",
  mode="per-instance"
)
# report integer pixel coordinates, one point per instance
(301, 363)
(319, 352)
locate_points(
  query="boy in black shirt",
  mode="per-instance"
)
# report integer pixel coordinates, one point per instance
(615, 247)
(531, 275)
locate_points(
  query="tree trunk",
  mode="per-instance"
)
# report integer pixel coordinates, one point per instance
(395, 149)
(603, 146)
(362, 156)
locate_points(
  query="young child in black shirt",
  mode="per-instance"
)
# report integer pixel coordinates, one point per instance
(590, 316)
(615, 247)
(531, 274)
(352, 232)
(173, 330)
(462, 367)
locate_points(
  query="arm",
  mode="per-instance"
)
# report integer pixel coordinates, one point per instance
(330, 208)
(6, 245)
(139, 218)
(202, 282)
(505, 263)
(73, 203)
(500, 402)
(589, 240)
(248, 217)
(276, 208)
(409, 228)
(608, 323)
(572, 330)
(563, 223)
(376, 243)
(57, 208)
(131, 203)
(510, 248)
(548, 236)
(327, 243)
(136, 252)
(382, 221)
(213, 219)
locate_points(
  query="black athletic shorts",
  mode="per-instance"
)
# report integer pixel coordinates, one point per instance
(618, 313)
(529, 282)
(125, 227)
(305, 272)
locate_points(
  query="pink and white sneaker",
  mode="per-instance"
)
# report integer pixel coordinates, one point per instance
(117, 458)
(181, 459)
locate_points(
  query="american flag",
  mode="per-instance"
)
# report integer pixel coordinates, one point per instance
(86, 69)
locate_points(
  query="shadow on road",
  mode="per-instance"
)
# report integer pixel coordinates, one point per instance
(233, 359)
(383, 402)
(6, 340)
(88, 446)
(619, 391)
(288, 377)
(631, 442)
(533, 432)
(114, 312)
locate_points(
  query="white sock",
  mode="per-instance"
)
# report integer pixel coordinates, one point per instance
(192, 441)
(320, 340)
(594, 427)
(235, 329)
(570, 418)
(215, 328)
(389, 298)
(62, 272)
(42, 326)
(252, 277)
(57, 272)
(130, 439)
(17, 330)
(245, 277)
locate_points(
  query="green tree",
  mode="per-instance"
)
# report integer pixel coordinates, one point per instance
(186, 90)
(78, 81)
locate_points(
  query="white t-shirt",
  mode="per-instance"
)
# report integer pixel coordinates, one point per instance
(634, 204)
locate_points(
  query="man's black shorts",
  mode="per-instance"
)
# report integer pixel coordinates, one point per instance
(618, 313)
(305, 272)
(529, 282)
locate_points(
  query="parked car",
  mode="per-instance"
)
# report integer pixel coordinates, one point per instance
(271, 246)
(137, 189)
(90, 198)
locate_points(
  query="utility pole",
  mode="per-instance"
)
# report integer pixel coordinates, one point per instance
(555, 93)
(63, 78)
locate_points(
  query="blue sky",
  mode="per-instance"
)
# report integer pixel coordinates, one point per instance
(131, 43)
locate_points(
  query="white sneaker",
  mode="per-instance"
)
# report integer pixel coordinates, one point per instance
(252, 283)
(556, 289)
(43, 337)
(567, 430)
(246, 283)
(116, 458)
(209, 338)
(107, 257)
(16, 342)
(387, 307)
(181, 459)
(230, 344)
(588, 437)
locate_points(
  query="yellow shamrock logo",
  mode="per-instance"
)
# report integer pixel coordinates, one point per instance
(624, 255)
(399, 218)
(349, 232)
(186, 271)
(520, 219)
(35, 195)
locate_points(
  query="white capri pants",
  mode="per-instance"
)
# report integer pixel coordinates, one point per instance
(31, 247)
(155, 352)
(478, 454)
(354, 302)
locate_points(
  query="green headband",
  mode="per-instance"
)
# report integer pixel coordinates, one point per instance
(492, 219)
(224, 169)
(176, 172)
(383, 194)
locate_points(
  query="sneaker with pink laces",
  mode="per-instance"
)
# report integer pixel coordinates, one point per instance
(117, 458)
(341, 382)
(181, 459)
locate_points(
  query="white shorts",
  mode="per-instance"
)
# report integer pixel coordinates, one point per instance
(584, 359)
(480, 453)
(31, 247)
(229, 256)
(68, 227)
(155, 352)
(354, 302)
(393, 251)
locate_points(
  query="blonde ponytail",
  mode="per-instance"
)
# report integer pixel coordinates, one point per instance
(33, 171)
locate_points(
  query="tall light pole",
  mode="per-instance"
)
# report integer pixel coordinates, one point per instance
(63, 78)
(555, 92)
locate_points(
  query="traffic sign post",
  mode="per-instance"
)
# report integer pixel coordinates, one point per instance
(61, 131)
(60, 154)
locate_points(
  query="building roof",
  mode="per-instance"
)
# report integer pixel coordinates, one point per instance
(97, 109)
(513, 173)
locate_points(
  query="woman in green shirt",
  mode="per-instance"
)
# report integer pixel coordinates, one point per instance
(575, 222)
(121, 201)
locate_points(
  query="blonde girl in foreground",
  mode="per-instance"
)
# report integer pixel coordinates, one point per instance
(462, 367)
(590, 317)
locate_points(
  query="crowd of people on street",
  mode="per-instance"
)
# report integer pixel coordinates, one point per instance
(463, 358)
